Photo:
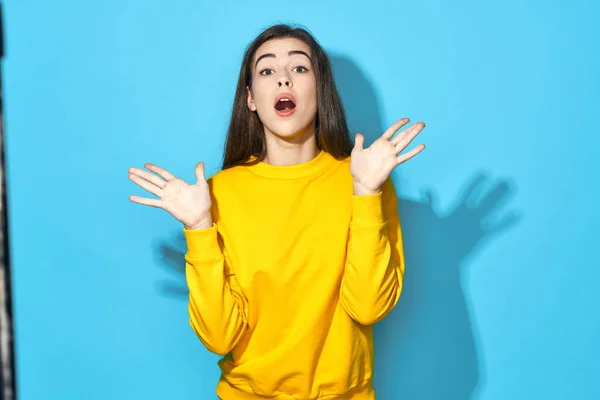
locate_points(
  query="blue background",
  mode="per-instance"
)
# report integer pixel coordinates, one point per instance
(500, 213)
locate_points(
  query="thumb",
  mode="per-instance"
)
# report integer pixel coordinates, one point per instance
(199, 171)
(359, 140)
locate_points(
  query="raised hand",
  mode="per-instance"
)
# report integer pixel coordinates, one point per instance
(371, 167)
(190, 204)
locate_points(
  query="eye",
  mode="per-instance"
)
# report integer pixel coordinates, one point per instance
(300, 67)
(266, 71)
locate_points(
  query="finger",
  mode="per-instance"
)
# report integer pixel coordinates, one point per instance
(504, 224)
(472, 192)
(199, 171)
(146, 185)
(430, 198)
(493, 199)
(147, 202)
(407, 156)
(173, 257)
(359, 141)
(149, 177)
(404, 138)
(394, 128)
(160, 171)
(176, 289)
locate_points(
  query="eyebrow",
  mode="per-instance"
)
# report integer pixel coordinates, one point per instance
(290, 53)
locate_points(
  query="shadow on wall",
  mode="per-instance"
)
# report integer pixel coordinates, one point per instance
(426, 348)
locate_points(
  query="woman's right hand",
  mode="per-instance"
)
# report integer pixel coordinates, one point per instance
(190, 204)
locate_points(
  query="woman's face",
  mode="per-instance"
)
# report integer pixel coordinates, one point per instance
(284, 89)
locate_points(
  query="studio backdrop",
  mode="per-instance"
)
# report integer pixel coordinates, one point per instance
(499, 213)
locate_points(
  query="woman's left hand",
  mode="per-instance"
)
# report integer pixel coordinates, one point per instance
(372, 166)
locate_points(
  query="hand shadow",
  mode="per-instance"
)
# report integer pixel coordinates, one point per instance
(426, 348)
(172, 256)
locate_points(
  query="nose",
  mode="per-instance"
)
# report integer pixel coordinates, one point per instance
(284, 80)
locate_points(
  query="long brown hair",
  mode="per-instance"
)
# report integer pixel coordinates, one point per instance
(245, 136)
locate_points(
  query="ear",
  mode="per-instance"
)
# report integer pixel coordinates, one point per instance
(251, 104)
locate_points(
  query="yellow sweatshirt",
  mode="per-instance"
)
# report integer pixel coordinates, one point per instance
(289, 280)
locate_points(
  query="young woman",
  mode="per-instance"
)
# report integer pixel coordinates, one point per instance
(294, 247)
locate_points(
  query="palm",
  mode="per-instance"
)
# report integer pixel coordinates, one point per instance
(186, 202)
(370, 167)
(373, 165)
(182, 200)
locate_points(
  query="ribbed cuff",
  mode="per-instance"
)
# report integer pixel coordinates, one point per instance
(367, 207)
(202, 243)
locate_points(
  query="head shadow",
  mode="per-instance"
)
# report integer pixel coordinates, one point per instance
(427, 348)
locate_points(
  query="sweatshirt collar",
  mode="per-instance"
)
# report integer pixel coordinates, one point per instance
(317, 164)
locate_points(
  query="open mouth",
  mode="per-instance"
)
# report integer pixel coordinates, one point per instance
(285, 104)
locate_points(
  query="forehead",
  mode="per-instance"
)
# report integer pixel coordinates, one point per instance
(281, 47)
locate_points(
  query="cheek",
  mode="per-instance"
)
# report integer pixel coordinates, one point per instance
(261, 96)
(308, 91)
(312, 90)
(312, 100)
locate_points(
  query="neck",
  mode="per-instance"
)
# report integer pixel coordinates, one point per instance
(298, 149)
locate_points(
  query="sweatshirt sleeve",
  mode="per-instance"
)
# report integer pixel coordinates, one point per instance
(217, 306)
(374, 268)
